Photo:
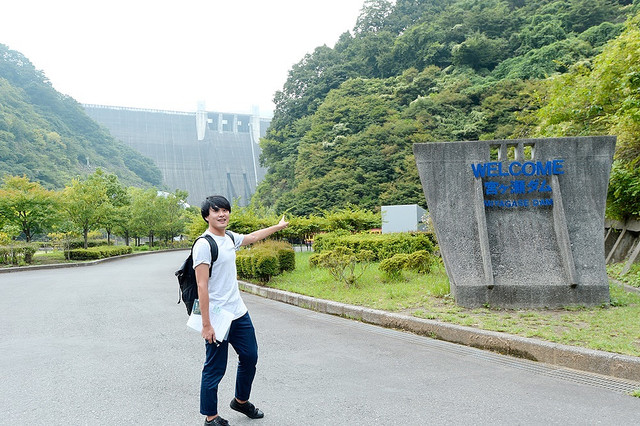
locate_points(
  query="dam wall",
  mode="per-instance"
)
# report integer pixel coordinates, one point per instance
(201, 152)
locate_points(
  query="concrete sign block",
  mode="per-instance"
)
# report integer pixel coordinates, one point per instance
(520, 222)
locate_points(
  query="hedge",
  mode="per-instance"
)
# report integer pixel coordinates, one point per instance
(383, 246)
(264, 260)
(419, 261)
(100, 252)
(16, 254)
(79, 243)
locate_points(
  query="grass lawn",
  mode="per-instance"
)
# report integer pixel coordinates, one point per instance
(612, 328)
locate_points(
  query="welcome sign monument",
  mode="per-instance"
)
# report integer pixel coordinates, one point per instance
(520, 223)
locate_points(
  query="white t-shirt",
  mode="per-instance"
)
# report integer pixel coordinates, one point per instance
(223, 283)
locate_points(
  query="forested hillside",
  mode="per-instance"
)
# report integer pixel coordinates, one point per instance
(47, 137)
(428, 70)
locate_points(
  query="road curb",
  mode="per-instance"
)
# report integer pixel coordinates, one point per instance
(593, 361)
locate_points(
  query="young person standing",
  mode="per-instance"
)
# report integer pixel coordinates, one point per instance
(221, 290)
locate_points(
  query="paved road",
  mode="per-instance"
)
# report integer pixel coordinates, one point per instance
(107, 345)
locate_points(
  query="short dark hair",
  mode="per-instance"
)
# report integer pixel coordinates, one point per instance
(215, 202)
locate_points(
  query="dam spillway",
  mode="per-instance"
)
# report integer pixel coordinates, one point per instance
(201, 152)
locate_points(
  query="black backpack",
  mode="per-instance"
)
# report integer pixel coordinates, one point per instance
(188, 286)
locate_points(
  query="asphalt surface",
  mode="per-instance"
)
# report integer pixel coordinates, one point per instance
(107, 345)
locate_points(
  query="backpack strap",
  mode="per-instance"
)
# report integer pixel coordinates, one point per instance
(214, 250)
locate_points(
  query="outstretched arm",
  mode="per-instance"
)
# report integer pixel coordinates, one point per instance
(263, 233)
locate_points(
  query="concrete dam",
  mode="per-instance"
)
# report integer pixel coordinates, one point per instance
(203, 152)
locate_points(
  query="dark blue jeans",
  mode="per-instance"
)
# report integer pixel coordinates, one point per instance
(242, 337)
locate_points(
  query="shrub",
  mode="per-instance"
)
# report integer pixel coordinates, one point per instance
(419, 261)
(17, 254)
(314, 260)
(264, 260)
(341, 263)
(352, 218)
(258, 264)
(382, 246)
(284, 251)
(99, 252)
(79, 243)
(243, 265)
(172, 244)
(393, 266)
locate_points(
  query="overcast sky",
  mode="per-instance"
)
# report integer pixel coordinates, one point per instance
(170, 54)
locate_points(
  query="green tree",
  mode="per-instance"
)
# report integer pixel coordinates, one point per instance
(27, 205)
(195, 224)
(173, 216)
(603, 97)
(373, 16)
(111, 212)
(124, 225)
(418, 71)
(146, 213)
(479, 51)
(583, 14)
(623, 197)
(84, 202)
(541, 32)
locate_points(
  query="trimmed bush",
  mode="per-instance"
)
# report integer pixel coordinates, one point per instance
(393, 266)
(419, 261)
(99, 252)
(383, 246)
(284, 252)
(264, 260)
(265, 265)
(18, 253)
(287, 260)
(79, 243)
(171, 244)
(243, 265)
